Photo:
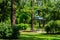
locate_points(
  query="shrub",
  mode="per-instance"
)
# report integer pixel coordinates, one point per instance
(51, 27)
(8, 32)
(23, 26)
(15, 33)
(5, 30)
(57, 22)
(58, 25)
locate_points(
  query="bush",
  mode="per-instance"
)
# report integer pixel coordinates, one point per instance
(23, 26)
(8, 32)
(53, 26)
(5, 31)
(57, 22)
(58, 26)
(15, 33)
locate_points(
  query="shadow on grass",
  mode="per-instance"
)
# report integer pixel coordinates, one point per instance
(38, 37)
(32, 38)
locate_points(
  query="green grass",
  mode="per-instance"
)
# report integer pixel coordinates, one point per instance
(38, 36)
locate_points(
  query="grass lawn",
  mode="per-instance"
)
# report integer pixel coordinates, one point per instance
(38, 36)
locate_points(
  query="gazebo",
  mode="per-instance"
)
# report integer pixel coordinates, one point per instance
(39, 18)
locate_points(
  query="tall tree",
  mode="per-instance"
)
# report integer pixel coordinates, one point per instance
(32, 16)
(13, 15)
(2, 11)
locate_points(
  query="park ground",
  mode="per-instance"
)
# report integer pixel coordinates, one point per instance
(38, 36)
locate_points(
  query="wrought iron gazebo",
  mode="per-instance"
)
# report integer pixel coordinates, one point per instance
(39, 18)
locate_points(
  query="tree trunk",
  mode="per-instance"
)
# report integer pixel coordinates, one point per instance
(2, 10)
(13, 16)
(32, 16)
(32, 21)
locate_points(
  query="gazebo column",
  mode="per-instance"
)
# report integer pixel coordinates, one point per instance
(39, 25)
(39, 20)
(43, 22)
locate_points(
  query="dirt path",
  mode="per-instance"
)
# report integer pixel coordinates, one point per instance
(34, 32)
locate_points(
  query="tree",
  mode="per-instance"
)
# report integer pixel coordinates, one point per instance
(32, 16)
(13, 15)
(2, 11)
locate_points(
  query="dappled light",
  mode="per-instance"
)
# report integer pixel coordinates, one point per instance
(30, 19)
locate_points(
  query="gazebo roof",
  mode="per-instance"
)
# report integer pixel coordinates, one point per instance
(38, 18)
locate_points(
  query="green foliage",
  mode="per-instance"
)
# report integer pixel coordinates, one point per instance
(58, 22)
(47, 7)
(5, 31)
(50, 10)
(8, 32)
(58, 26)
(5, 11)
(15, 33)
(49, 26)
(53, 27)
(1, 1)
(24, 18)
(23, 26)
